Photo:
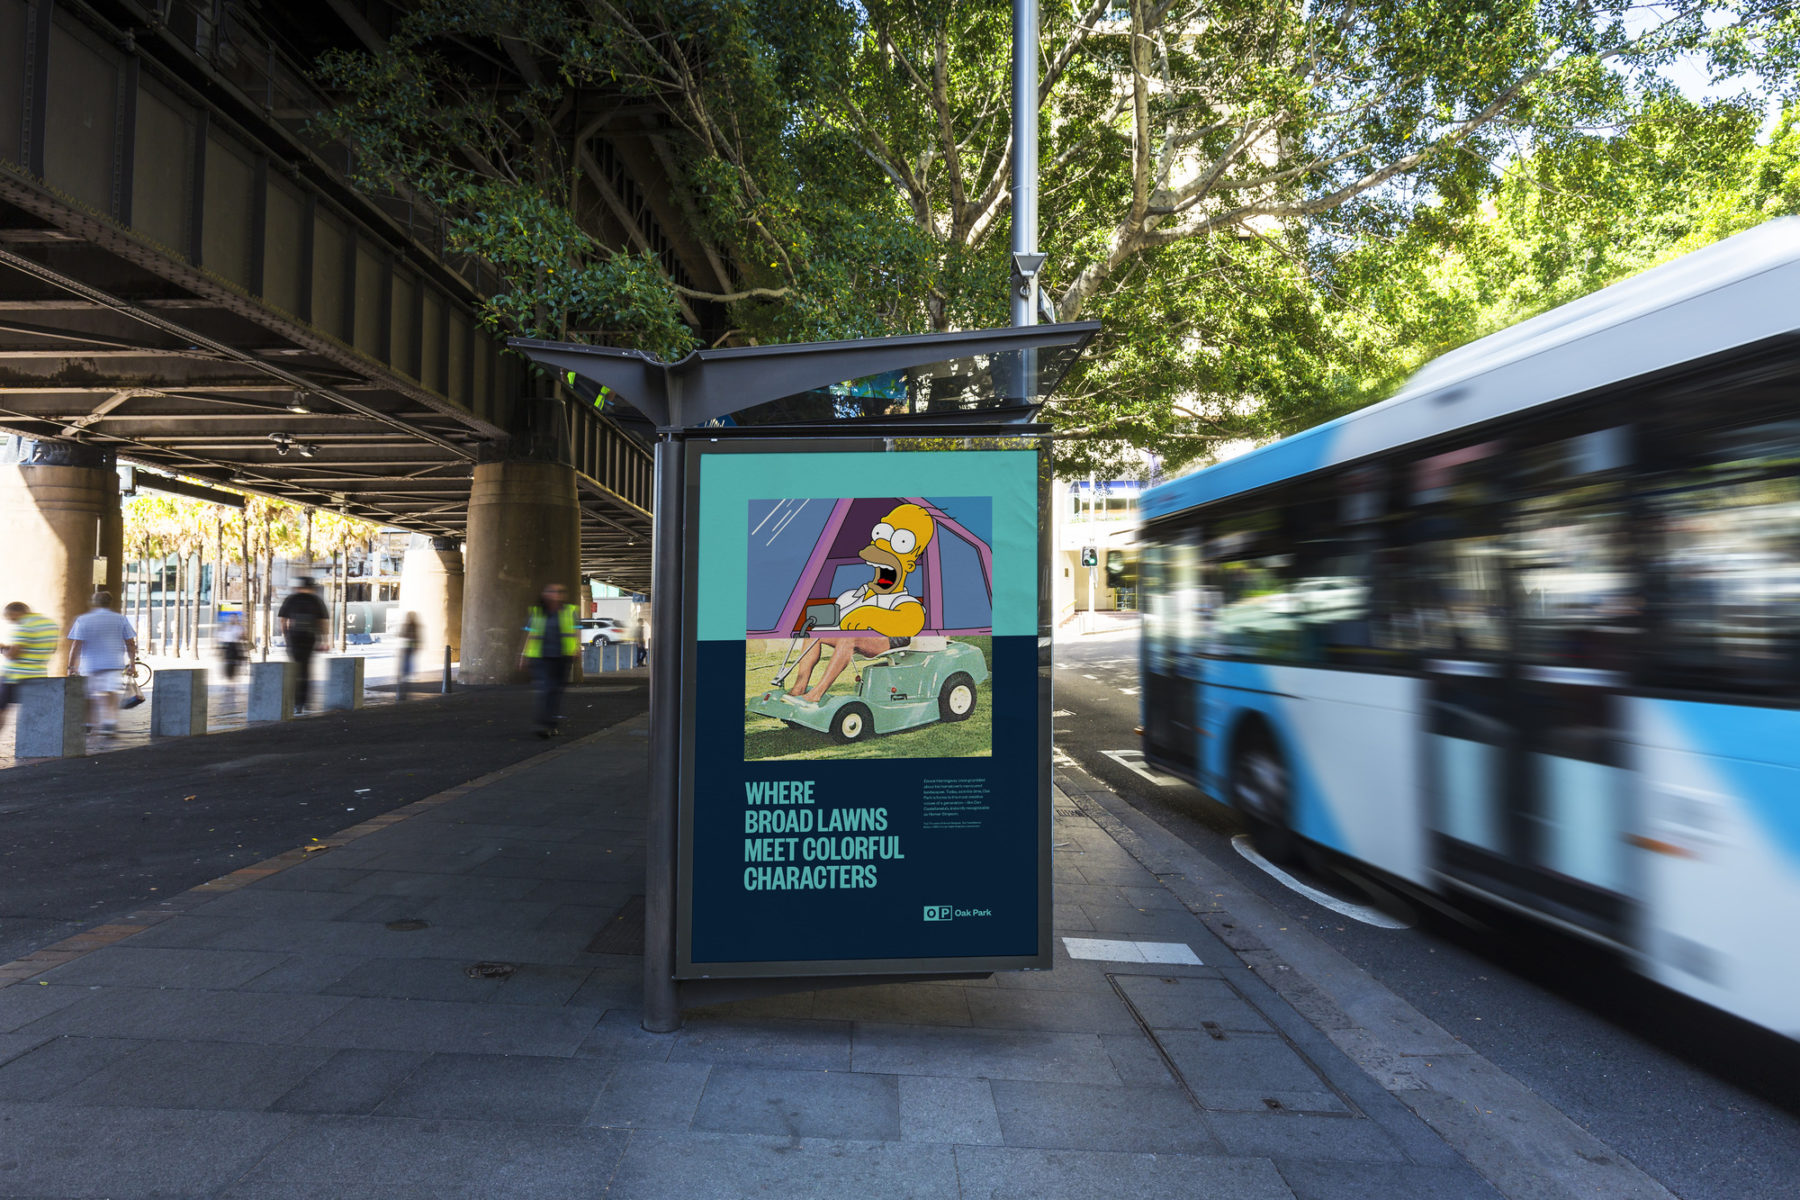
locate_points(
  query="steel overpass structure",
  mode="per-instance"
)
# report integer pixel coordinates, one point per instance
(189, 281)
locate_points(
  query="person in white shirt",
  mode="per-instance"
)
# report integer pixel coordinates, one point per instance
(879, 615)
(102, 644)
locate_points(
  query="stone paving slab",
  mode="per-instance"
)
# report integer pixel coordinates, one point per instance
(351, 1082)
(192, 1015)
(657, 1166)
(807, 1045)
(995, 1173)
(198, 1075)
(649, 1095)
(383, 1024)
(1328, 1180)
(173, 967)
(378, 1157)
(1142, 1119)
(804, 1104)
(958, 1112)
(127, 1153)
(982, 1054)
(59, 1063)
(498, 1087)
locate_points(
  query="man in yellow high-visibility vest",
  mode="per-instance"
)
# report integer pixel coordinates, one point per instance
(550, 650)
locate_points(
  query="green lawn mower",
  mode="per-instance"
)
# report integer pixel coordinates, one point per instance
(929, 679)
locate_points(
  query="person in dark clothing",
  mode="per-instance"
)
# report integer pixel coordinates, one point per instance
(550, 649)
(408, 638)
(304, 622)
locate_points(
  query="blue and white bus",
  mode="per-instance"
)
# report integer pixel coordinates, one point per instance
(1530, 629)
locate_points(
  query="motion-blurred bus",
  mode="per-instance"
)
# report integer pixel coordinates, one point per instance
(1530, 629)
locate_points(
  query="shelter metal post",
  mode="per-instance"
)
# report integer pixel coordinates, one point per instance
(662, 1008)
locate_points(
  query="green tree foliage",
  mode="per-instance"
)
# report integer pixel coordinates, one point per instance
(1565, 221)
(1206, 168)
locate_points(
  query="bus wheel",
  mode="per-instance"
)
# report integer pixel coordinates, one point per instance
(852, 723)
(1260, 789)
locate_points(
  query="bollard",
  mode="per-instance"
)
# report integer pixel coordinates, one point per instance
(178, 702)
(590, 658)
(271, 692)
(344, 683)
(52, 718)
(447, 684)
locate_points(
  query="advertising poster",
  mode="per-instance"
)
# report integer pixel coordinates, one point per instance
(865, 750)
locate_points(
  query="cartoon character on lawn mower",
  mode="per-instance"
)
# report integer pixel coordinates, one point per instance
(879, 620)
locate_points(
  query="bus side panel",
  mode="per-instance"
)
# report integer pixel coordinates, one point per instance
(1718, 849)
(1363, 731)
(1351, 744)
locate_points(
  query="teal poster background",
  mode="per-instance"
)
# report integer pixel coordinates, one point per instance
(729, 482)
(892, 851)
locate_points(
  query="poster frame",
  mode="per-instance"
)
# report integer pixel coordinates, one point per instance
(867, 438)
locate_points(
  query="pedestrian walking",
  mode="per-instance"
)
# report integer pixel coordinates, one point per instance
(643, 642)
(229, 634)
(102, 644)
(409, 641)
(27, 641)
(304, 621)
(550, 649)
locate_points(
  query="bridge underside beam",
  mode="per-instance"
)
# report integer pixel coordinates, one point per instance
(79, 363)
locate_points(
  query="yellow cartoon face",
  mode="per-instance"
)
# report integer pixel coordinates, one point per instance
(895, 546)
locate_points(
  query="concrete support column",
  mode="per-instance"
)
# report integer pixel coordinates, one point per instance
(59, 512)
(524, 532)
(431, 584)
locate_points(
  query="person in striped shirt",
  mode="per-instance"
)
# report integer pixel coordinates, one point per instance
(26, 644)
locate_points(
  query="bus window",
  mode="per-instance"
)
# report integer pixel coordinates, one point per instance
(1458, 601)
(1293, 579)
(1725, 564)
(1579, 601)
(1249, 563)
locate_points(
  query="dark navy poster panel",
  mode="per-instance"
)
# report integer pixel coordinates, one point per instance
(864, 746)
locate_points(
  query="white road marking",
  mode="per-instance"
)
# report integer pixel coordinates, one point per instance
(1129, 691)
(1060, 757)
(1356, 912)
(1133, 760)
(1062, 712)
(1085, 675)
(1107, 950)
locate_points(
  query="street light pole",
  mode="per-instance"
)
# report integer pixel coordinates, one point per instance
(1026, 259)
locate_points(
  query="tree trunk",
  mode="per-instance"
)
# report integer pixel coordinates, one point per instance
(268, 577)
(216, 594)
(196, 569)
(180, 603)
(162, 578)
(143, 591)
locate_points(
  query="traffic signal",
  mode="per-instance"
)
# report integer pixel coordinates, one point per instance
(1089, 557)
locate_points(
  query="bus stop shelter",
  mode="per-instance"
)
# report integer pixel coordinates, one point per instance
(849, 698)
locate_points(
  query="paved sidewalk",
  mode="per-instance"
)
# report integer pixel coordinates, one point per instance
(445, 1003)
